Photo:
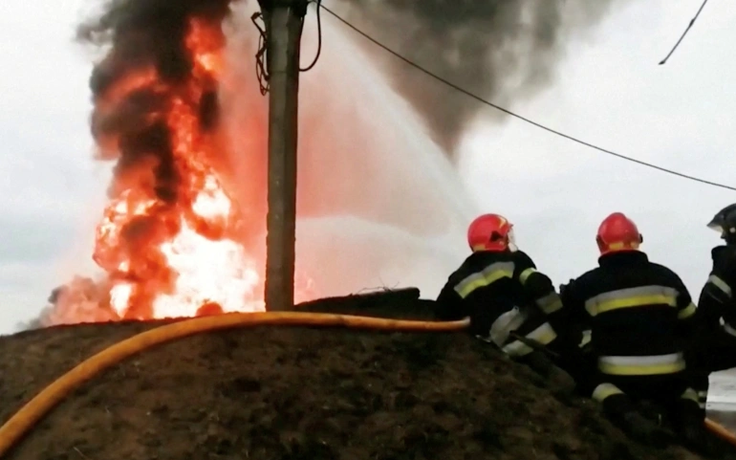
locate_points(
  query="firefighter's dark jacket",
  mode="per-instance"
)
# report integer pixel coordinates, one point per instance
(717, 297)
(489, 284)
(640, 314)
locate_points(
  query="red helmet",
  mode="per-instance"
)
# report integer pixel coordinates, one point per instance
(618, 233)
(490, 232)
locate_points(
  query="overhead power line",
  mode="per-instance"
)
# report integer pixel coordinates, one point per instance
(687, 29)
(520, 117)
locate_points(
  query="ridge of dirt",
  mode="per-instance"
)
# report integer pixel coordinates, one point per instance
(302, 393)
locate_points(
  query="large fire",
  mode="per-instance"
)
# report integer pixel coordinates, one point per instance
(170, 240)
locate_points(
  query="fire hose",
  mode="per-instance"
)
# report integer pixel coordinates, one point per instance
(23, 420)
(20, 424)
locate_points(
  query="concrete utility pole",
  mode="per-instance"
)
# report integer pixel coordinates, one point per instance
(283, 22)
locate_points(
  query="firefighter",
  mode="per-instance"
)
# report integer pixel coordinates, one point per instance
(509, 302)
(639, 314)
(716, 342)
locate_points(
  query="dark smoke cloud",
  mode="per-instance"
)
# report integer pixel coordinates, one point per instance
(141, 34)
(503, 50)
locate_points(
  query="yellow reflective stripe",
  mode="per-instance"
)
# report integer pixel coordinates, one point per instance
(720, 284)
(586, 338)
(544, 335)
(687, 312)
(526, 274)
(729, 330)
(635, 302)
(604, 390)
(631, 297)
(621, 245)
(550, 303)
(642, 365)
(489, 275)
(641, 370)
(702, 399)
(690, 394)
(504, 324)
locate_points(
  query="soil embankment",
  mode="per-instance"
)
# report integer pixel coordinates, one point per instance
(301, 393)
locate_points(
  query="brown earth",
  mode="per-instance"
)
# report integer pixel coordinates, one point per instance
(301, 393)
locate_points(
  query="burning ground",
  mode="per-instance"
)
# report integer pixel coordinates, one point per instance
(301, 393)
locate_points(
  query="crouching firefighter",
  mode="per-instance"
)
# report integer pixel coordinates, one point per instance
(640, 314)
(715, 347)
(509, 302)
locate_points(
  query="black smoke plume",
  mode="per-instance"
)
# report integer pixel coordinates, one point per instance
(140, 35)
(502, 50)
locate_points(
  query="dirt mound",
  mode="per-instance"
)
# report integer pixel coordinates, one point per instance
(301, 393)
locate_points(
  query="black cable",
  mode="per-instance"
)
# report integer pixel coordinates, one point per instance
(262, 54)
(520, 117)
(261, 68)
(689, 26)
(319, 37)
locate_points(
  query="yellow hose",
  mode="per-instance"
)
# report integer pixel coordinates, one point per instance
(720, 431)
(20, 423)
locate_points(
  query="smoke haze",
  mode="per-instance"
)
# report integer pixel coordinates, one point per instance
(502, 50)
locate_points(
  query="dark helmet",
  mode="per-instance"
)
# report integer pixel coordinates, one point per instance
(724, 222)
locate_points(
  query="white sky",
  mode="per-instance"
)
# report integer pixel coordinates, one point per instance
(609, 91)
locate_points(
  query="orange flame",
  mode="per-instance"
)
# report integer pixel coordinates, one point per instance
(176, 252)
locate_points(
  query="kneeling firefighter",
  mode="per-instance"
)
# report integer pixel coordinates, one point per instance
(640, 315)
(509, 302)
(715, 347)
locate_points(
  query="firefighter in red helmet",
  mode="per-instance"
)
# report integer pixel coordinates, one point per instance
(509, 302)
(640, 314)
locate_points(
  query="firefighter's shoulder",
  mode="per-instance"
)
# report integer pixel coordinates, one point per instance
(723, 274)
(521, 258)
(590, 284)
(592, 276)
(724, 258)
(475, 263)
(665, 275)
(723, 252)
